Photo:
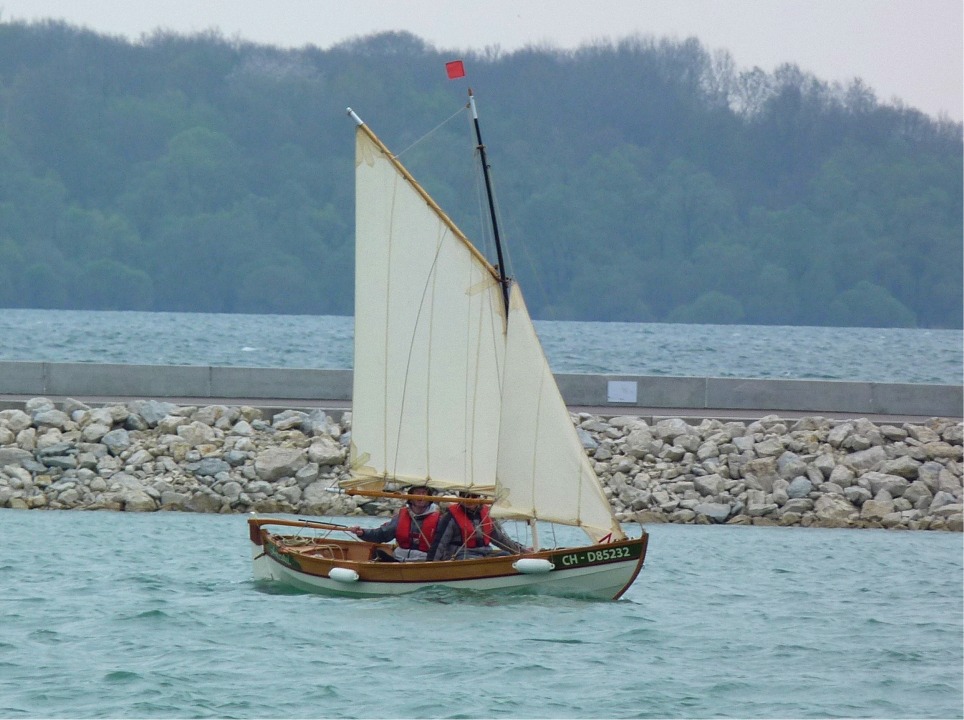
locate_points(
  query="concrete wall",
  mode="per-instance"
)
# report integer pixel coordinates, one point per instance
(750, 394)
(84, 380)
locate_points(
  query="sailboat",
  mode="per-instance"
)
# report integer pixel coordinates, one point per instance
(451, 391)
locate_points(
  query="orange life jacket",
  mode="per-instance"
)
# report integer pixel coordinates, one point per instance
(468, 529)
(416, 534)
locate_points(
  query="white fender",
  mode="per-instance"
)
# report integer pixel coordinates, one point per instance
(533, 566)
(345, 575)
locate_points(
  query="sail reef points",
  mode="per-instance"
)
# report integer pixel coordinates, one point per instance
(148, 455)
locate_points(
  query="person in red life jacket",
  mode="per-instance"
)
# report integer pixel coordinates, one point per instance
(466, 530)
(412, 527)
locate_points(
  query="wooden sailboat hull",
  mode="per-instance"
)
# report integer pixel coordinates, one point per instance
(344, 567)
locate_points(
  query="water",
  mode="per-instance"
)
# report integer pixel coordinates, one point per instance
(155, 616)
(303, 341)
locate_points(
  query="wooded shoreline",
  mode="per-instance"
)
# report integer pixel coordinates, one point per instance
(199, 173)
(147, 455)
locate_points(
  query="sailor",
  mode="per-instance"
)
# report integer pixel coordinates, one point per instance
(412, 527)
(466, 530)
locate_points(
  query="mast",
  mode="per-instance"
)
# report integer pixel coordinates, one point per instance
(488, 192)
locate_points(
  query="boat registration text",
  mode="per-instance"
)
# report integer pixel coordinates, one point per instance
(593, 557)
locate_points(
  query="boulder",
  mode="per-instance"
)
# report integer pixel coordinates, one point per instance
(941, 499)
(196, 433)
(15, 456)
(868, 459)
(857, 495)
(316, 497)
(921, 433)
(893, 484)
(210, 466)
(242, 428)
(586, 439)
(790, 465)
(326, 451)
(51, 417)
(216, 415)
(117, 441)
(94, 432)
(717, 512)
(876, 509)
(290, 420)
(916, 492)
(15, 420)
(761, 509)
(904, 466)
(709, 485)
(797, 505)
(274, 463)
(134, 500)
(800, 487)
(769, 447)
(203, 502)
(169, 424)
(668, 430)
(839, 433)
(942, 450)
(834, 507)
(760, 473)
(151, 411)
(38, 404)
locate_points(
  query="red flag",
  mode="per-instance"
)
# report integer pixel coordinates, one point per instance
(455, 69)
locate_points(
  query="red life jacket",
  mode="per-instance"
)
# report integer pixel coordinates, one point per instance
(468, 529)
(415, 534)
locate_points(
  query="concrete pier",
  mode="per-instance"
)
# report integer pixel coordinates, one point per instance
(602, 394)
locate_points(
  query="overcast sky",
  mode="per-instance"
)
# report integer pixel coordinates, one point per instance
(908, 49)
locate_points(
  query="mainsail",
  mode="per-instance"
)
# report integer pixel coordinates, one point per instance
(429, 336)
(447, 389)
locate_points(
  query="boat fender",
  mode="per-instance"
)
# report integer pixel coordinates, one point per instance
(533, 566)
(345, 575)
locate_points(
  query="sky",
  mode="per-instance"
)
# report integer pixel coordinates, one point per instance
(912, 50)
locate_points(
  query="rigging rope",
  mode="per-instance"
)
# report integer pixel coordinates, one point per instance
(431, 132)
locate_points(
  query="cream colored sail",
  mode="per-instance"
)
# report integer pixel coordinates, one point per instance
(429, 336)
(543, 469)
(445, 391)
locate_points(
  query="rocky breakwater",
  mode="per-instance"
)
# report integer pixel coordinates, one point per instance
(810, 472)
(148, 455)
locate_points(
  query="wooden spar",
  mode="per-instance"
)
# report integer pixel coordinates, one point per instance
(431, 498)
(403, 171)
(488, 192)
(298, 523)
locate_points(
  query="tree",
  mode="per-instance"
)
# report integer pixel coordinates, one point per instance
(869, 305)
(710, 308)
(216, 167)
(109, 285)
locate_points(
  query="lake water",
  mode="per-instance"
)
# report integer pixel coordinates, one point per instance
(308, 341)
(118, 615)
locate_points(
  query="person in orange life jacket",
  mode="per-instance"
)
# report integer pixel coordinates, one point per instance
(465, 530)
(412, 527)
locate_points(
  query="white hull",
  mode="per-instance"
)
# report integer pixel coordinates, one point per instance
(597, 581)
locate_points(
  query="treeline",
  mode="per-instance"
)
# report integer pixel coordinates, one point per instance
(644, 180)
